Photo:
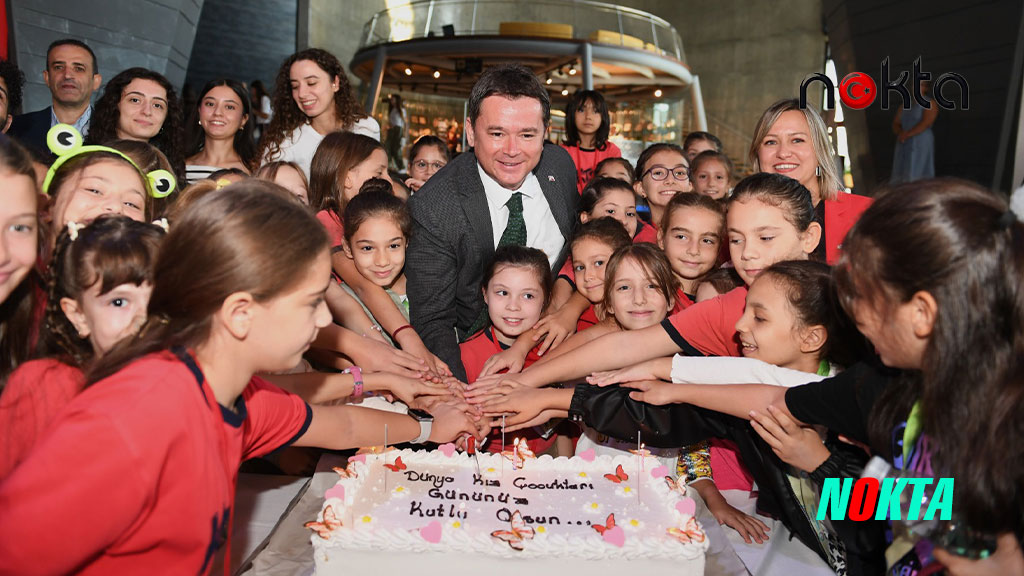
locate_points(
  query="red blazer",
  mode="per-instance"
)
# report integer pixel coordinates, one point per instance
(840, 215)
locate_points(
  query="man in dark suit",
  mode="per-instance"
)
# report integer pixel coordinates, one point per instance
(513, 187)
(72, 76)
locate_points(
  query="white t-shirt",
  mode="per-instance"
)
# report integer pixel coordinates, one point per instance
(265, 108)
(301, 145)
(541, 228)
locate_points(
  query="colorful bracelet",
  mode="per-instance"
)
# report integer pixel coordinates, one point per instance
(357, 377)
(394, 335)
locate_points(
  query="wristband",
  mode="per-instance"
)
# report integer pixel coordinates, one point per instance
(425, 420)
(394, 335)
(357, 378)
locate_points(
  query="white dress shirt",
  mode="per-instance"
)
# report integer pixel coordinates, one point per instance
(541, 228)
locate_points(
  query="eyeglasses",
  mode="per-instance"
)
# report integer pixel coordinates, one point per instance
(423, 164)
(659, 173)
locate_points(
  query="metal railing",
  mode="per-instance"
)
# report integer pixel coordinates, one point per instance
(429, 18)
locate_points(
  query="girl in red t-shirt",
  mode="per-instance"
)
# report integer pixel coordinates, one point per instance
(100, 281)
(517, 289)
(662, 171)
(153, 443)
(343, 162)
(587, 124)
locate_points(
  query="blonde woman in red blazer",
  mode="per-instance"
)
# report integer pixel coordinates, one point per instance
(793, 141)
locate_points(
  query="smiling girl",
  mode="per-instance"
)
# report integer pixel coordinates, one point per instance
(662, 171)
(220, 130)
(312, 98)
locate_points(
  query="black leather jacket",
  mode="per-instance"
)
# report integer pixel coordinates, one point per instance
(611, 411)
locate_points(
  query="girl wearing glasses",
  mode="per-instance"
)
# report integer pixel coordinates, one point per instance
(661, 172)
(428, 155)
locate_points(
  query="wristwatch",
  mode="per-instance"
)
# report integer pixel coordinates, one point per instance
(426, 421)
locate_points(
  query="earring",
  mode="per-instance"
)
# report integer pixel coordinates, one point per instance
(817, 170)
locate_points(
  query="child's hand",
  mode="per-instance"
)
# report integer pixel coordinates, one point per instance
(414, 184)
(794, 445)
(484, 387)
(510, 360)
(1007, 559)
(515, 422)
(642, 371)
(376, 356)
(513, 398)
(452, 421)
(656, 392)
(409, 389)
(748, 527)
(555, 328)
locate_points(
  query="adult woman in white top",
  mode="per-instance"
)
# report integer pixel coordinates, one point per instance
(312, 98)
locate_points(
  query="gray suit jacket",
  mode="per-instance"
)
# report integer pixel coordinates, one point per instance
(453, 242)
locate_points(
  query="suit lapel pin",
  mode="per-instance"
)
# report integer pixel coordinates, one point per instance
(551, 178)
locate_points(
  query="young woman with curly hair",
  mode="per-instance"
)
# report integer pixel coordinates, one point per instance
(140, 104)
(312, 98)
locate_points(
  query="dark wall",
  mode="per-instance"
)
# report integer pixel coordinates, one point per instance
(155, 34)
(976, 39)
(242, 39)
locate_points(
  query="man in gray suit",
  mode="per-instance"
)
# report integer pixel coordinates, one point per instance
(513, 187)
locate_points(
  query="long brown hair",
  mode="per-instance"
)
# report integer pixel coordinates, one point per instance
(248, 236)
(960, 244)
(16, 321)
(338, 153)
(287, 115)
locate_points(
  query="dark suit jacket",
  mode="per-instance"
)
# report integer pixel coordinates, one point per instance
(453, 242)
(30, 131)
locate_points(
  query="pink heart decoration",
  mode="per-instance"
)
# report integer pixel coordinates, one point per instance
(447, 449)
(659, 472)
(336, 491)
(431, 532)
(686, 506)
(587, 455)
(358, 458)
(615, 535)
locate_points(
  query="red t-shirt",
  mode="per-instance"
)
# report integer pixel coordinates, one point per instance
(587, 319)
(683, 301)
(335, 229)
(137, 474)
(35, 393)
(645, 233)
(475, 353)
(586, 161)
(708, 328)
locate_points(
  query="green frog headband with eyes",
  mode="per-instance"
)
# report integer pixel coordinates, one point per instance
(64, 141)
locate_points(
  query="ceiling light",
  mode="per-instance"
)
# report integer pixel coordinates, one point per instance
(572, 71)
(657, 93)
(437, 73)
(565, 91)
(408, 71)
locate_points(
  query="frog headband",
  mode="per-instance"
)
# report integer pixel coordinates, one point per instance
(64, 141)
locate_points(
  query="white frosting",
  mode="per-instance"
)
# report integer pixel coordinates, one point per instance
(559, 498)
